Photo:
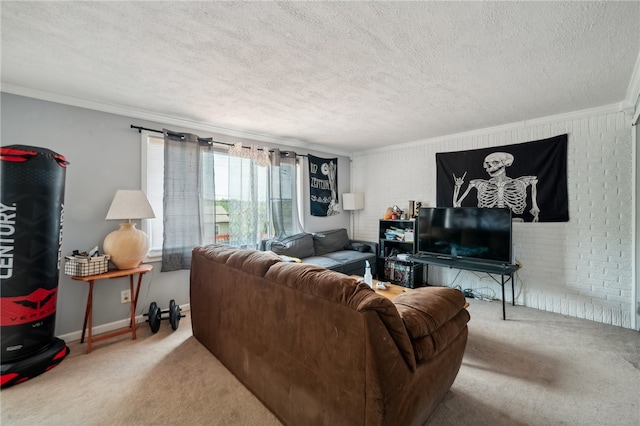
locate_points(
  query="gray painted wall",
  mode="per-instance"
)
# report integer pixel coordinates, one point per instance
(105, 156)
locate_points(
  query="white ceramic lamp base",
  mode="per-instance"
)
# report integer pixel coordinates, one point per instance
(127, 246)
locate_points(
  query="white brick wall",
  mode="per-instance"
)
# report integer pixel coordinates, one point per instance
(581, 268)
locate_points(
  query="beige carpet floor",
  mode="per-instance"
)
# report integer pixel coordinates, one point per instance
(535, 368)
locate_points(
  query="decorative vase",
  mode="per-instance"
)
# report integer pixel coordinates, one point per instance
(127, 246)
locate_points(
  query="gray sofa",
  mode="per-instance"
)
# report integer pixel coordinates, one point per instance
(328, 249)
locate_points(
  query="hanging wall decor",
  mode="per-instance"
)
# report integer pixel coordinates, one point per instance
(530, 178)
(323, 186)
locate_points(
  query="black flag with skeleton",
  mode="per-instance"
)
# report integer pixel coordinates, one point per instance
(530, 178)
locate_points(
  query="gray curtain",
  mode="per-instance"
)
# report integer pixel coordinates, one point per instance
(187, 161)
(284, 194)
(182, 202)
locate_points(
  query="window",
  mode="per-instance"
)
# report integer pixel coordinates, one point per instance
(152, 184)
(216, 188)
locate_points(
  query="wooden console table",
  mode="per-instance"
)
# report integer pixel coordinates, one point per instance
(88, 315)
(505, 271)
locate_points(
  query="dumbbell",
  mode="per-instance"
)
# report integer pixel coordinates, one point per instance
(155, 315)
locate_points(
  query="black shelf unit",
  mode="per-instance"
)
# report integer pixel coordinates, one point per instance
(391, 268)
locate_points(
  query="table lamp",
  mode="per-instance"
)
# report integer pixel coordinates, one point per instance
(127, 246)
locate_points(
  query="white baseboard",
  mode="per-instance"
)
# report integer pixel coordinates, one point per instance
(105, 328)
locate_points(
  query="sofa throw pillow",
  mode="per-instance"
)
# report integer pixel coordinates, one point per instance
(298, 245)
(330, 241)
(362, 248)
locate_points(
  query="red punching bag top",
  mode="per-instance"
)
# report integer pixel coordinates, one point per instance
(22, 153)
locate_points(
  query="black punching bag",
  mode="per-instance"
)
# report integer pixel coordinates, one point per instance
(31, 217)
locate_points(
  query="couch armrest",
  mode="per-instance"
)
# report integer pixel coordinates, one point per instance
(434, 317)
(372, 247)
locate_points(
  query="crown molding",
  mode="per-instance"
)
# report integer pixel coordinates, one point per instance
(159, 118)
(626, 105)
(575, 115)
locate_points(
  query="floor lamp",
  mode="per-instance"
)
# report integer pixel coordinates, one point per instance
(352, 201)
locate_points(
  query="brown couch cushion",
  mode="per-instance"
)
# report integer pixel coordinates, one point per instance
(424, 312)
(425, 309)
(318, 281)
(256, 263)
(330, 241)
(427, 347)
(343, 289)
(298, 245)
(251, 261)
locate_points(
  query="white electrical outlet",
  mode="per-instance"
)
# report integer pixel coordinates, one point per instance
(125, 296)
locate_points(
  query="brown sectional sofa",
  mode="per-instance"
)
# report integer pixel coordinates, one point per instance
(317, 347)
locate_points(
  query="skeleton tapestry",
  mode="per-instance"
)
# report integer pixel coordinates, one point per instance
(323, 186)
(529, 178)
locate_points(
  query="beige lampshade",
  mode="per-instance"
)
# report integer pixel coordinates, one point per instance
(130, 204)
(353, 201)
(127, 246)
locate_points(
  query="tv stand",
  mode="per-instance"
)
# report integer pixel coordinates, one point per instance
(505, 271)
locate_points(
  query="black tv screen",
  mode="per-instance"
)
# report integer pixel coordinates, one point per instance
(465, 233)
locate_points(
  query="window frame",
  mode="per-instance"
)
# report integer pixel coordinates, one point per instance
(146, 226)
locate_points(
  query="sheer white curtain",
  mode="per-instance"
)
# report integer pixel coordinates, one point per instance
(248, 196)
(262, 190)
(284, 193)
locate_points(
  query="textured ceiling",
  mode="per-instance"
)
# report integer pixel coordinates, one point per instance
(348, 76)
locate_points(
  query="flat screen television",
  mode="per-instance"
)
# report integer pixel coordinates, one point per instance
(482, 234)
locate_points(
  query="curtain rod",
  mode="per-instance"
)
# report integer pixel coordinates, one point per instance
(208, 140)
